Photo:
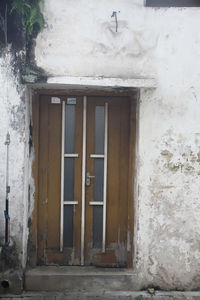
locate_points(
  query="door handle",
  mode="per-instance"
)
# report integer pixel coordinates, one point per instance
(88, 177)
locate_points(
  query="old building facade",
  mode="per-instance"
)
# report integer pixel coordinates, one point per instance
(120, 100)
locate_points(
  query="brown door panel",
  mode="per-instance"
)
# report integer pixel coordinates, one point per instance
(49, 186)
(117, 182)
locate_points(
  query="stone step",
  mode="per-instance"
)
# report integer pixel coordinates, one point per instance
(91, 279)
(106, 295)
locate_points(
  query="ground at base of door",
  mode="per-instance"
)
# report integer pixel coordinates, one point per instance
(106, 295)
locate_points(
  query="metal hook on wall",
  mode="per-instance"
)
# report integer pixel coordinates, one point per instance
(114, 15)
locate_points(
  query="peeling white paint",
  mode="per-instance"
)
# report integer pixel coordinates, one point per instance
(168, 215)
(13, 111)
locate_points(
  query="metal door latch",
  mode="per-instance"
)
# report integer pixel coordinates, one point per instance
(88, 177)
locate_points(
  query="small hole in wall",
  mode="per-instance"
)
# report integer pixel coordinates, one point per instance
(5, 284)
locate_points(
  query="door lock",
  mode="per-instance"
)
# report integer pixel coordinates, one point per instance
(88, 177)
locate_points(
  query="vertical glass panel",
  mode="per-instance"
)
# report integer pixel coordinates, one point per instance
(69, 128)
(98, 180)
(68, 226)
(99, 129)
(69, 179)
(97, 226)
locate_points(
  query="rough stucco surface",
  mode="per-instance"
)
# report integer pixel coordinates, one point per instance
(13, 120)
(168, 189)
(80, 40)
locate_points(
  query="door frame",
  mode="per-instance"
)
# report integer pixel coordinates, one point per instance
(134, 96)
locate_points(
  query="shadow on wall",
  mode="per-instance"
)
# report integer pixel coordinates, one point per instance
(11, 277)
(9, 259)
(15, 35)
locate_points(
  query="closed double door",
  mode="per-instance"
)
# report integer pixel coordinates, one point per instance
(84, 170)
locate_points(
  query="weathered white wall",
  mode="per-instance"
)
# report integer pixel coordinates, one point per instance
(80, 40)
(168, 188)
(13, 119)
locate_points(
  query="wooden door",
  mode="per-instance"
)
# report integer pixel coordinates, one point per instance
(116, 215)
(84, 172)
(49, 206)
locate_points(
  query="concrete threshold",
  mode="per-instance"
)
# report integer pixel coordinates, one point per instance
(77, 279)
(106, 295)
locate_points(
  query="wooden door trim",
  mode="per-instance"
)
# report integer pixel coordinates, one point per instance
(32, 240)
(131, 183)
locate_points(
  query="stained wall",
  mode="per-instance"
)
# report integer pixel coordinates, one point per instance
(80, 41)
